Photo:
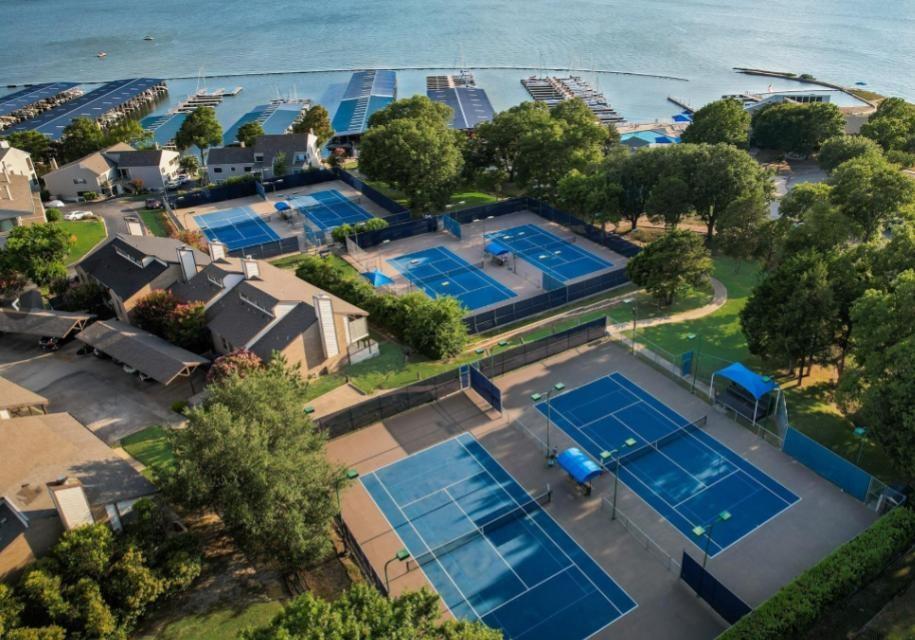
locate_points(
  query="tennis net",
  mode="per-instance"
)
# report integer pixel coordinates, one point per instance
(500, 520)
(656, 445)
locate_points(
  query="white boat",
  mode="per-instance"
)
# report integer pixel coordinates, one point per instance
(101, 54)
(149, 38)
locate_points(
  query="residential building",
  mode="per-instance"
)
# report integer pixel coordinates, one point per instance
(17, 162)
(253, 305)
(132, 266)
(153, 168)
(299, 151)
(56, 475)
(20, 203)
(96, 172)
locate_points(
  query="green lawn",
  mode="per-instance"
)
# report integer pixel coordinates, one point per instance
(85, 234)
(154, 219)
(220, 623)
(720, 341)
(462, 199)
(150, 447)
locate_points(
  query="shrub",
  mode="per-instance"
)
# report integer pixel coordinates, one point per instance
(433, 327)
(792, 611)
(182, 324)
(87, 297)
(192, 237)
(340, 233)
(53, 214)
(240, 362)
(178, 406)
(90, 195)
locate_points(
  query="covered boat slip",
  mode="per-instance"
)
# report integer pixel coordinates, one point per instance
(42, 322)
(147, 353)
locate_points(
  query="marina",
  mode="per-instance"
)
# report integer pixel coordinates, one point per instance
(552, 90)
(276, 118)
(470, 104)
(34, 100)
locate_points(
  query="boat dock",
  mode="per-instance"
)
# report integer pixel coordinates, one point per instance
(683, 104)
(35, 99)
(276, 118)
(552, 90)
(470, 104)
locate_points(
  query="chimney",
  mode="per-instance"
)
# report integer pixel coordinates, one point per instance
(53, 164)
(324, 310)
(217, 251)
(250, 268)
(134, 227)
(188, 263)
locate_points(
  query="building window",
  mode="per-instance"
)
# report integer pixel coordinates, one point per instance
(79, 181)
(214, 280)
(299, 158)
(127, 257)
(233, 169)
(251, 302)
(247, 169)
(258, 157)
(217, 169)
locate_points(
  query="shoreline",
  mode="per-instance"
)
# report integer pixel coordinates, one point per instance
(247, 74)
(787, 75)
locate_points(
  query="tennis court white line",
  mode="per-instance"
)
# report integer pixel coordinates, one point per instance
(445, 488)
(428, 548)
(488, 541)
(548, 536)
(707, 487)
(530, 588)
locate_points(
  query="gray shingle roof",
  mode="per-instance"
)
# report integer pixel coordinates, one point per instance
(40, 322)
(289, 328)
(230, 155)
(145, 158)
(148, 353)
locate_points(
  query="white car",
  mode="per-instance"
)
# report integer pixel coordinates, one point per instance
(78, 215)
(56, 204)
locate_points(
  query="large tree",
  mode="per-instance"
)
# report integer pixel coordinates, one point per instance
(317, 121)
(594, 196)
(249, 132)
(200, 129)
(36, 144)
(670, 265)
(410, 146)
(843, 148)
(742, 227)
(497, 143)
(37, 252)
(802, 197)
(362, 612)
(80, 138)
(881, 382)
(892, 125)
(127, 130)
(720, 121)
(791, 316)
(796, 128)
(251, 454)
(870, 191)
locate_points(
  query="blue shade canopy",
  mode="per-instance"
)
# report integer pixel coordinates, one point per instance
(578, 465)
(753, 382)
(377, 279)
(281, 206)
(682, 117)
(496, 248)
(664, 140)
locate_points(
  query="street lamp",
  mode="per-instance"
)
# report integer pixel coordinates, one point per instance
(536, 397)
(606, 456)
(860, 433)
(706, 531)
(350, 474)
(693, 336)
(401, 556)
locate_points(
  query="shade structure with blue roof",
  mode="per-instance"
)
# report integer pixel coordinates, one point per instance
(578, 465)
(756, 385)
(377, 278)
(281, 206)
(496, 248)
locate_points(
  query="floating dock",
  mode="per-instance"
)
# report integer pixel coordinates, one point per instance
(366, 93)
(276, 118)
(470, 105)
(34, 100)
(106, 105)
(683, 104)
(552, 90)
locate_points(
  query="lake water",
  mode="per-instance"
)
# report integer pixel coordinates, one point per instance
(697, 40)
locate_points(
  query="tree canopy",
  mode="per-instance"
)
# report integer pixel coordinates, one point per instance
(410, 146)
(870, 192)
(362, 612)
(36, 252)
(720, 121)
(249, 132)
(200, 129)
(670, 265)
(840, 149)
(36, 144)
(80, 138)
(316, 120)
(796, 128)
(251, 454)
(892, 125)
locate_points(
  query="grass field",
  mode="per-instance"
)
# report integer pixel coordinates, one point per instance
(462, 199)
(84, 234)
(219, 623)
(154, 219)
(720, 341)
(150, 447)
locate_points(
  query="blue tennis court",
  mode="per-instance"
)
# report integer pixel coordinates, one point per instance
(554, 256)
(685, 474)
(329, 209)
(439, 272)
(489, 548)
(236, 228)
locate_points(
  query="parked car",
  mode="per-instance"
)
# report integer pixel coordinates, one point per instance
(55, 203)
(52, 343)
(78, 215)
(153, 203)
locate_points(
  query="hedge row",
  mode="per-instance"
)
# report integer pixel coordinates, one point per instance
(796, 607)
(434, 328)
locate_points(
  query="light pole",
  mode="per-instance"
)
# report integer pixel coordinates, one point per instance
(350, 474)
(860, 433)
(635, 317)
(706, 531)
(401, 556)
(606, 456)
(536, 397)
(693, 336)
